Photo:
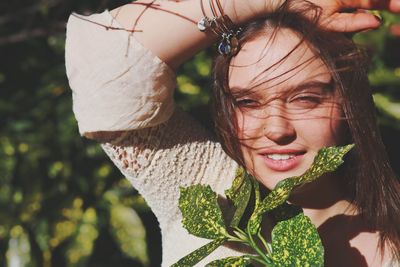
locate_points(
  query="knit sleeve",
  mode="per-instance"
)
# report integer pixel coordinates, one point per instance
(120, 86)
(117, 84)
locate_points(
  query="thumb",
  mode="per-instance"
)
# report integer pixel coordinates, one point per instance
(394, 6)
(351, 22)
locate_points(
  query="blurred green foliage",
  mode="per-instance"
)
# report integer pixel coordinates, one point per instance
(384, 77)
(62, 202)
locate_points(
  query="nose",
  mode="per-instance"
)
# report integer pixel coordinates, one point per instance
(278, 127)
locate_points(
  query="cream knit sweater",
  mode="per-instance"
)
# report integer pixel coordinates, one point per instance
(121, 86)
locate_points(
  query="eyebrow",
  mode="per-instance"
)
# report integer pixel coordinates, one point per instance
(326, 86)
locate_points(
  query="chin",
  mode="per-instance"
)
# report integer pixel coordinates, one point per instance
(271, 178)
(271, 181)
(269, 171)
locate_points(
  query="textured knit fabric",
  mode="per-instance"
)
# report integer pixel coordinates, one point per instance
(120, 86)
(117, 83)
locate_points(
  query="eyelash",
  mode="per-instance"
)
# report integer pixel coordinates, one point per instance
(307, 98)
(302, 100)
(246, 103)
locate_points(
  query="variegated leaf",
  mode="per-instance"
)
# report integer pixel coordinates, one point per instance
(296, 243)
(239, 194)
(202, 216)
(256, 187)
(327, 160)
(285, 212)
(242, 261)
(199, 254)
(236, 184)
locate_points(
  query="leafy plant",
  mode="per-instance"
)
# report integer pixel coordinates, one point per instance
(294, 239)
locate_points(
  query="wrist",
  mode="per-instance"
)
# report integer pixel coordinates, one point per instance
(273, 5)
(243, 11)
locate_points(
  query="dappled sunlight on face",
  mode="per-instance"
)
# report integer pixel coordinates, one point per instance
(287, 106)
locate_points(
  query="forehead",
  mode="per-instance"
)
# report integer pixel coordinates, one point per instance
(278, 61)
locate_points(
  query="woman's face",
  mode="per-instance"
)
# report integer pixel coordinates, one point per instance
(287, 107)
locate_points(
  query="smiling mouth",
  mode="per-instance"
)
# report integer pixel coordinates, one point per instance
(280, 156)
(282, 161)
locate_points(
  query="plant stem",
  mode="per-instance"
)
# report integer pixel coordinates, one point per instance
(240, 231)
(235, 239)
(255, 258)
(264, 242)
(248, 240)
(255, 247)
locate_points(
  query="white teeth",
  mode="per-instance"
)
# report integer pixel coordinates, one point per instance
(280, 156)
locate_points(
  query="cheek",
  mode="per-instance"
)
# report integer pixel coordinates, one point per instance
(338, 127)
(248, 131)
(249, 127)
(320, 133)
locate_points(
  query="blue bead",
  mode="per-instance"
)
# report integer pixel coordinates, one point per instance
(224, 48)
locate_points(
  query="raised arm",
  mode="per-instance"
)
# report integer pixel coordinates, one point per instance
(168, 28)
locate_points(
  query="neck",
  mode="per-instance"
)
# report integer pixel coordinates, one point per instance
(347, 238)
(323, 199)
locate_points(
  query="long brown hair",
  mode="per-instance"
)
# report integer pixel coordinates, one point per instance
(370, 181)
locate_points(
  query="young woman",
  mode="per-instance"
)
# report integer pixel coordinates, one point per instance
(290, 90)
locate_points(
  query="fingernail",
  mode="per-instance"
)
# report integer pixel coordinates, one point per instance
(379, 18)
(377, 15)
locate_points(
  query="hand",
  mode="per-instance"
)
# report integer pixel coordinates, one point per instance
(334, 18)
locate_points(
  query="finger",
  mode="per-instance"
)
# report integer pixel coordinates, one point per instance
(351, 22)
(395, 30)
(394, 6)
(366, 4)
(391, 5)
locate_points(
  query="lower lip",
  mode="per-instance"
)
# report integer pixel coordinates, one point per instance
(283, 165)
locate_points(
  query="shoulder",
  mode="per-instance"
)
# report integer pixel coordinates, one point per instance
(368, 245)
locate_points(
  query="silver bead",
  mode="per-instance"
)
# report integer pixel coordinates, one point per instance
(203, 24)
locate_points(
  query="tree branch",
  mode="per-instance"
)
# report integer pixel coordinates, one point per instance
(33, 33)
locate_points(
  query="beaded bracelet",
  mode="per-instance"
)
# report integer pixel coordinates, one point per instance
(222, 26)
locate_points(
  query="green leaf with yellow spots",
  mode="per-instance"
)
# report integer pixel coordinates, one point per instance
(202, 216)
(242, 261)
(239, 194)
(277, 197)
(199, 254)
(285, 212)
(327, 160)
(296, 243)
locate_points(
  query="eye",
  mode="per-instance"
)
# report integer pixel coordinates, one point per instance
(308, 98)
(246, 103)
(305, 100)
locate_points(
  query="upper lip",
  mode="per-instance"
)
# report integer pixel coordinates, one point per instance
(270, 151)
